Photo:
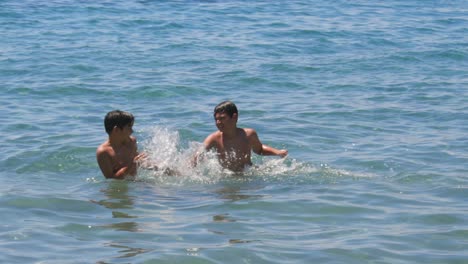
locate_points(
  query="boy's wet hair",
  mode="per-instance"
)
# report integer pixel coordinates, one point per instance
(117, 118)
(227, 107)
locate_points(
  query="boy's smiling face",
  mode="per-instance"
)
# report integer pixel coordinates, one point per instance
(224, 121)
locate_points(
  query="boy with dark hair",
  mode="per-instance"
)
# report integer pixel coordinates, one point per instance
(118, 156)
(232, 144)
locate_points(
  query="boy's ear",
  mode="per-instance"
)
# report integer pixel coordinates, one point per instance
(234, 116)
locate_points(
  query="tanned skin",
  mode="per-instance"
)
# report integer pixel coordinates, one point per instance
(118, 157)
(234, 145)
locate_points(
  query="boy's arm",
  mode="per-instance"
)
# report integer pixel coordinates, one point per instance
(141, 159)
(267, 150)
(262, 149)
(124, 171)
(104, 161)
(208, 144)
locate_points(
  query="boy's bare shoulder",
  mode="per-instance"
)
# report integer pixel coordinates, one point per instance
(249, 131)
(214, 135)
(212, 139)
(104, 148)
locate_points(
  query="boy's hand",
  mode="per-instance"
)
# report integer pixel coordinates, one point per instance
(140, 158)
(283, 153)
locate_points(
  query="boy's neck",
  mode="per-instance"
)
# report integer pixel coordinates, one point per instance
(117, 141)
(230, 133)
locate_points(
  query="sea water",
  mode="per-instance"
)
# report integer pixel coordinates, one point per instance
(369, 97)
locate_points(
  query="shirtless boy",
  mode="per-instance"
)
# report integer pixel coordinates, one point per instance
(232, 144)
(118, 157)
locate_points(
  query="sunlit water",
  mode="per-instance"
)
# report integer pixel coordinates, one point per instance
(370, 99)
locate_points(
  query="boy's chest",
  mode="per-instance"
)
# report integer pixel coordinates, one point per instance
(239, 145)
(124, 155)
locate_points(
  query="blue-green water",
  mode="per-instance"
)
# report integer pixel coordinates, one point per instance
(370, 98)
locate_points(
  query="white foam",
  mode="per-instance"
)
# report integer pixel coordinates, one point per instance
(164, 149)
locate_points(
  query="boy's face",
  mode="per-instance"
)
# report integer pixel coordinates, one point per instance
(128, 129)
(125, 131)
(224, 121)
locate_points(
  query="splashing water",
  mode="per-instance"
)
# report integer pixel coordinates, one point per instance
(164, 150)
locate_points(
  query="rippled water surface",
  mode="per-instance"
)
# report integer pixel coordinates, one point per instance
(370, 98)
